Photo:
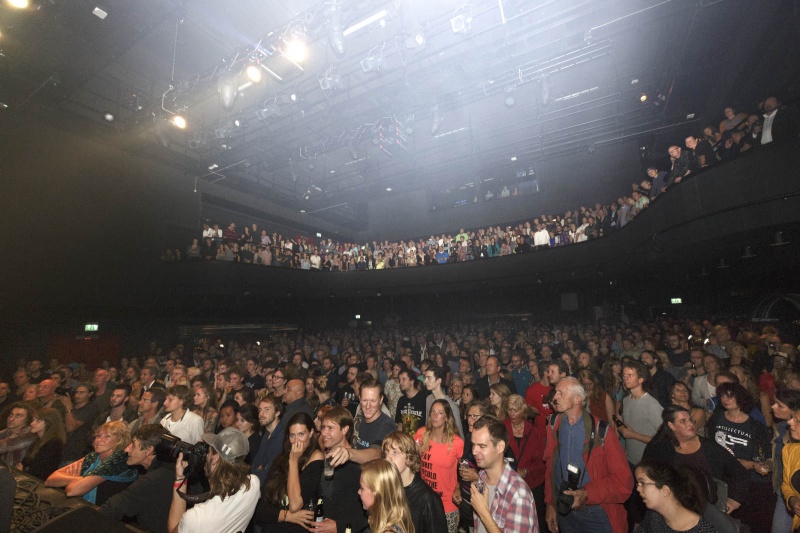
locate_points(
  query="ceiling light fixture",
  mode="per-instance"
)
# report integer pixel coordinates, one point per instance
(366, 22)
(296, 49)
(643, 97)
(335, 35)
(99, 13)
(178, 121)
(462, 20)
(108, 116)
(227, 90)
(253, 72)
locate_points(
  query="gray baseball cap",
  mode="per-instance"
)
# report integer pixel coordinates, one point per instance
(230, 443)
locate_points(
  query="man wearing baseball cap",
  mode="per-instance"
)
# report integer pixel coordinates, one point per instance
(233, 493)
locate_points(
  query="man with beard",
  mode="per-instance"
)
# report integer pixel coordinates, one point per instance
(117, 407)
(329, 365)
(347, 394)
(270, 410)
(411, 414)
(660, 380)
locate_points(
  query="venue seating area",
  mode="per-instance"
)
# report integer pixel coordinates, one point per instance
(737, 133)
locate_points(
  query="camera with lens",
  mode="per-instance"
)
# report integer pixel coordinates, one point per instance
(171, 446)
(565, 501)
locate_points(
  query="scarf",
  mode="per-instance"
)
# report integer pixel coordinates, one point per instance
(115, 468)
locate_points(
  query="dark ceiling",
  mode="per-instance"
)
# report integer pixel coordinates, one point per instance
(432, 114)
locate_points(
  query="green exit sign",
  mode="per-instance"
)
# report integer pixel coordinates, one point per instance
(91, 327)
(676, 300)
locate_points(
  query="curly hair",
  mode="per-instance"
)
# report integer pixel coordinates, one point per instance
(390, 506)
(744, 401)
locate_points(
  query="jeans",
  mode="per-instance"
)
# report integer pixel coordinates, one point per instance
(590, 518)
(781, 520)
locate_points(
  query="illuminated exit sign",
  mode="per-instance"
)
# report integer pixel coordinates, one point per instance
(676, 300)
(91, 327)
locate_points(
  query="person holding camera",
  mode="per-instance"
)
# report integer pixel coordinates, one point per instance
(587, 477)
(233, 492)
(148, 498)
(501, 500)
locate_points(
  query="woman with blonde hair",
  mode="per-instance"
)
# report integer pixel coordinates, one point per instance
(498, 394)
(441, 448)
(103, 472)
(384, 499)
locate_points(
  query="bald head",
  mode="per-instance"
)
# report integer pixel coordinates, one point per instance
(46, 388)
(295, 390)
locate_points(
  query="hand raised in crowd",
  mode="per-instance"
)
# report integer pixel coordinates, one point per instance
(296, 452)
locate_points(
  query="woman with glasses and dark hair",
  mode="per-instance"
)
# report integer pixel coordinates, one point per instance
(749, 441)
(673, 497)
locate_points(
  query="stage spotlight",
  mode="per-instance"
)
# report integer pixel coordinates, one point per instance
(227, 90)
(461, 23)
(643, 97)
(109, 117)
(373, 62)
(335, 35)
(296, 49)
(253, 73)
(178, 121)
(19, 4)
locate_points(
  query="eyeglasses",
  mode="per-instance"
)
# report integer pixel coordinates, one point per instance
(276, 376)
(641, 484)
(473, 416)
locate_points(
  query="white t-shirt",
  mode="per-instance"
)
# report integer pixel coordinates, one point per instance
(189, 429)
(228, 516)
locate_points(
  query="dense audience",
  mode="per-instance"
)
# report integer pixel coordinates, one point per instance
(737, 133)
(569, 427)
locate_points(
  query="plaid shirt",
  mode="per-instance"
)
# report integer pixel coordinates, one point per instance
(512, 507)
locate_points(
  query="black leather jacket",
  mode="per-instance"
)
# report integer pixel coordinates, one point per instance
(427, 511)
